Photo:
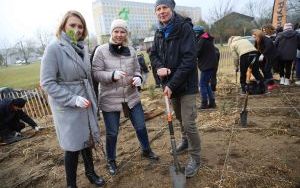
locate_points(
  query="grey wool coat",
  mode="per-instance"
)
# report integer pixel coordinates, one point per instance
(64, 76)
(113, 93)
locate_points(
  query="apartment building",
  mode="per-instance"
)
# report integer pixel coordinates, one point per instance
(141, 17)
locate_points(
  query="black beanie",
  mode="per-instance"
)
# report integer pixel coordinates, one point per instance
(19, 102)
(169, 3)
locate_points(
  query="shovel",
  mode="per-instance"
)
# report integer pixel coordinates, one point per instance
(244, 112)
(177, 173)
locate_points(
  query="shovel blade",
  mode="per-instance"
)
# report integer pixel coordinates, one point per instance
(243, 117)
(178, 178)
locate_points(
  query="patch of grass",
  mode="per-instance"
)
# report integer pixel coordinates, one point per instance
(20, 76)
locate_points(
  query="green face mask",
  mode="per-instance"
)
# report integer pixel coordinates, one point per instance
(71, 33)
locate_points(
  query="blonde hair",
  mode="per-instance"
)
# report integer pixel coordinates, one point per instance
(63, 23)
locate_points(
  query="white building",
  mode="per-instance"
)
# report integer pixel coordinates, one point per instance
(141, 17)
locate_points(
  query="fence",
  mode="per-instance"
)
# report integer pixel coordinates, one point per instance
(37, 103)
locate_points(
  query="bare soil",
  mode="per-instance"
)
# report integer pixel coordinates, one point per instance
(263, 154)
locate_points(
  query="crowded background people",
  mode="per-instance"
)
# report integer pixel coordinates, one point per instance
(286, 43)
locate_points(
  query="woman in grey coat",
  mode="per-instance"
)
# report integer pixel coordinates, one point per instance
(66, 77)
(116, 67)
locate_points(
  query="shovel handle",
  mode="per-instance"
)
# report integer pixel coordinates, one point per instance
(169, 116)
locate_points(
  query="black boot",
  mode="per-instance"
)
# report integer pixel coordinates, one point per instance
(204, 105)
(212, 103)
(112, 167)
(89, 168)
(71, 163)
(149, 154)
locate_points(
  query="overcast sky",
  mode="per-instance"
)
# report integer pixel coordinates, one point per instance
(20, 19)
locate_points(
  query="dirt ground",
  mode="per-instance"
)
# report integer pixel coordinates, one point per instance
(263, 154)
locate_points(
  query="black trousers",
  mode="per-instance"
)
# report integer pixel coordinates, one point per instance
(285, 68)
(71, 163)
(245, 61)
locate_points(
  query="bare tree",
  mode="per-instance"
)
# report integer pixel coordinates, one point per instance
(25, 48)
(1, 60)
(5, 50)
(260, 10)
(220, 10)
(43, 38)
(293, 8)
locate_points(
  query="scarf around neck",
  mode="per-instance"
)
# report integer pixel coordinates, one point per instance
(118, 49)
(167, 29)
(79, 47)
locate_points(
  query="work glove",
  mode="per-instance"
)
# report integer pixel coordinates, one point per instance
(117, 75)
(136, 81)
(37, 128)
(82, 102)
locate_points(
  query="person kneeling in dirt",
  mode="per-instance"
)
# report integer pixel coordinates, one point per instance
(11, 115)
(244, 54)
(116, 67)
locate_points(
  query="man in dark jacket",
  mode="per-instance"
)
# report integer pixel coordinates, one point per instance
(286, 43)
(174, 57)
(207, 63)
(10, 115)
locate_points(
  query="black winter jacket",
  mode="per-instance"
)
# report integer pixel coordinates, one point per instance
(178, 53)
(267, 48)
(286, 43)
(9, 116)
(207, 56)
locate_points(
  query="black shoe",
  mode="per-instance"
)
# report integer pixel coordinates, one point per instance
(95, 179)
(182, 147)
(212, 104)
(204, 105)
(112, 167)
(149, 154)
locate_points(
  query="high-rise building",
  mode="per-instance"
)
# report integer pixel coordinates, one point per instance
(141, 17)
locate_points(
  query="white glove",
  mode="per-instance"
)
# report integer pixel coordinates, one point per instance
(119, 74)
(136, 81)
(82, 102)
(261, 57)
(37, 128)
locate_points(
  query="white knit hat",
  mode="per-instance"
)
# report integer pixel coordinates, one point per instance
(118, 23)
(288, 26)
